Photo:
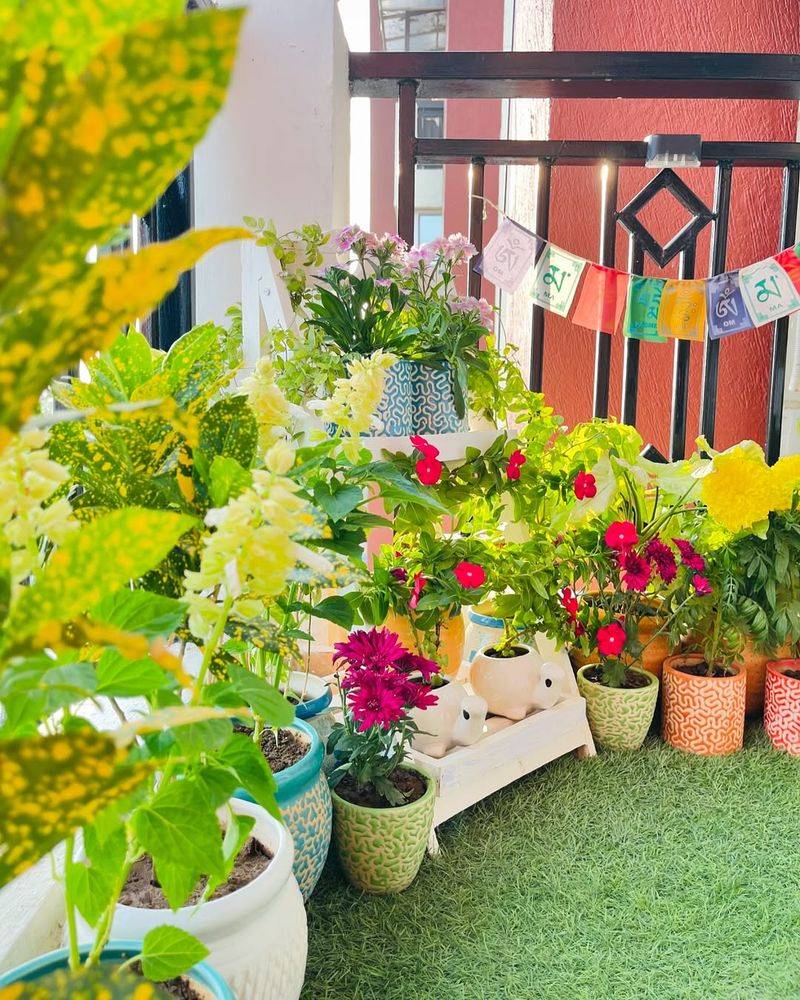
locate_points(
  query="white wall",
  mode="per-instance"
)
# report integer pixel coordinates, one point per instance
(280, 146)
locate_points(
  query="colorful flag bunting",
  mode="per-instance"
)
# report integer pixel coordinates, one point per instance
(790, 262)
(556, 278)
(601, 300)
(641, 315)
(509, 255)
(768, 291)
(726, 312)
(682, 310)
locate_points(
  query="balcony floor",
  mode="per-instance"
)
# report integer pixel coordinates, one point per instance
(646, 876)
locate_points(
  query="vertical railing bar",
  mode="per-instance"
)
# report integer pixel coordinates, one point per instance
(680, 371)
(630, 351)
(608, 246)
(406, 158)
(780, 335)
(542, 228)
(475, 215)
(716, 265)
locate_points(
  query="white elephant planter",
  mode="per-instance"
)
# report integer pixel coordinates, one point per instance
(456, 720)
(515, 686)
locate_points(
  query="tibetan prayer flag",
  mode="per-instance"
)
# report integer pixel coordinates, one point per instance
(790, 262)
(768, 291)
(726, 312)
(682, 310)
(641, 314)
(601, 300)
(556, 278)
(508, 255)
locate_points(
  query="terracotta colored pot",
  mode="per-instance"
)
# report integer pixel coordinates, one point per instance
(451, 640)
(381, 850)
(755, 664)
(782, 706)
(703, 715)
(619, 717)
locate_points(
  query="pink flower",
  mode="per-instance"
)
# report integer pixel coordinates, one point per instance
(610, 639)
(469, 303)
(636, 571)
(415, 258)
(412, 663)
(417, 695)
(383, 282)
(585, 486)
(429, 471)
(701, 584)
(374, 649)
(375, 703)
(515, 462)
(689, 556)
(345, 238)
(393, 243)
(425, 447)
(399, 574)
(569, 602)
(458, 246)
(418, 587)
(470, 575)
(662, 558)
(621, 535)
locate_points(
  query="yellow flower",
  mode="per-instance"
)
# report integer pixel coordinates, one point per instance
(280, 457)
(356, 398)
(740, 489)
(266, 400)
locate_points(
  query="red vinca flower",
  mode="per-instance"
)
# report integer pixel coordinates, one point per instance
(578, 627)
(701, 584)
(416, 592)
(635, 571)
(610, 639)
(470, 575)
(375, 703)
(515, 462)
(621, 535)
(585, 486)
(689, 555)
(425, 447)
(662, 557)
(569, 602)
(429, 471)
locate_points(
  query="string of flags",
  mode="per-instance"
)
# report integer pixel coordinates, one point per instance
(657, 309)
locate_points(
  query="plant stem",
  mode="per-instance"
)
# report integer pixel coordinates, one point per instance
(211, 648)
(69, 903)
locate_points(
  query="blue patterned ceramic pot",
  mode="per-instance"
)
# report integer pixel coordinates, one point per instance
(395, 412)
(115, 952)
(433, 402)
(305, 802)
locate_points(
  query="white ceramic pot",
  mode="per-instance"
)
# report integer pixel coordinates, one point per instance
(257, 935)
(456, 720)
(515, 686)
(482, 630)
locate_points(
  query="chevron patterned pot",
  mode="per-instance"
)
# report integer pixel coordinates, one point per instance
(782, 706)
(619, 717)
(381, 850)
(703, 715)
(305, 803)
(434, 409)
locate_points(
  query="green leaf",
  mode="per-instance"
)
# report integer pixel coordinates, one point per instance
(267, 703)
(230, 428)
(227, 479)
(338, 501)
(168, 952)
(93, 881)
(247, 762)
(99, 982)
(335, 609)
(236, 833)
(121, 678)
(50, 786)
(151, 615)
(103, 555)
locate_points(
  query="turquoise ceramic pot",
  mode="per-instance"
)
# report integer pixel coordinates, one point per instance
(395, 409)
(114, 951)
(432, 400)
(305, 802)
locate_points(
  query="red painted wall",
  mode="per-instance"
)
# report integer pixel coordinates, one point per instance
(670, 25)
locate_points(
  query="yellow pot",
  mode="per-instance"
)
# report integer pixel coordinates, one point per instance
(451, 640)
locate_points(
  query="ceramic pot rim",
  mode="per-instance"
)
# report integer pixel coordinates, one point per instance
(779, 668)
(35, 968)
(308, 767)
(314, 706)
(622, 692)
(669, 667)
(488, 621)
(506, 659)
(394, 810)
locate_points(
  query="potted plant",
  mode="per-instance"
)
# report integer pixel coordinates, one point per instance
(382, 806)
(782, 705)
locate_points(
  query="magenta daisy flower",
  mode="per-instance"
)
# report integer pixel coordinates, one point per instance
(376, 649)
(636, 570)
(411, 663)
(663, 558)
(375, 703)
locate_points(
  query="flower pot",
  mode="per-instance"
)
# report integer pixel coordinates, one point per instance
(515, 686)
(703, 715)
(315, 710)
(755, 665)
(203, 977)
(619, 717)
(395, 411)
(434, 408)
(381, 850)
(482, 630)
(305, 802)
(658, 650)
(456, 720)
(451, 640)
(782, 706)
(257, 935)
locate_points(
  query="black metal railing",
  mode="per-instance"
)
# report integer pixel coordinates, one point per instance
(592, 75)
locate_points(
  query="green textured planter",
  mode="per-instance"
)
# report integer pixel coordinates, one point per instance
(381, 850)
(619, 717)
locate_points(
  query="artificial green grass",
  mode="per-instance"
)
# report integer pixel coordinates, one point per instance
(653, 874)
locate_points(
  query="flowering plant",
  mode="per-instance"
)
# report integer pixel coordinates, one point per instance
(380, 683)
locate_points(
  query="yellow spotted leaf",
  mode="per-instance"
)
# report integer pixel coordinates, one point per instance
(50, 786)
(98, 982)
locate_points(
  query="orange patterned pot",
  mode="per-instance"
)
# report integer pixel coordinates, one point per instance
(653, 657)
(703, 715)
(451, 640)
(782, 706)
(755, 664)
